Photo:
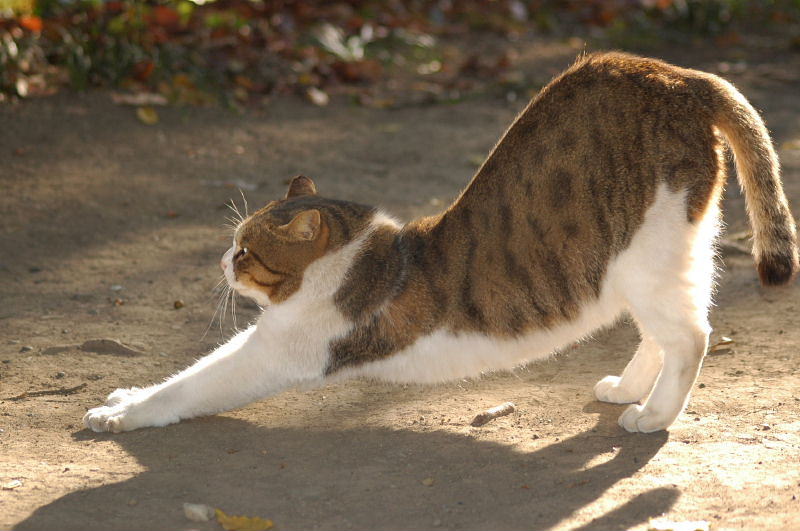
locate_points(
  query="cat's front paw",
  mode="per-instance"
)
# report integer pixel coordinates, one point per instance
(126, 410)
(121, 395)
(106, 418)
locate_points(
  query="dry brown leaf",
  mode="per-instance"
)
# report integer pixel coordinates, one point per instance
(147, 115)
(723, 343)
(242, 523)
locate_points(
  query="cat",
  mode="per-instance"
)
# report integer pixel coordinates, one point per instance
(601, 198)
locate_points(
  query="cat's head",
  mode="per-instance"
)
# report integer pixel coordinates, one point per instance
(273, 247)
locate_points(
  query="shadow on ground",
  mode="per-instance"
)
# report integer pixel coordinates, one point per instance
(307, 479)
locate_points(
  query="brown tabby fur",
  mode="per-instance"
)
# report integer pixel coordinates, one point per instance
(527, 243)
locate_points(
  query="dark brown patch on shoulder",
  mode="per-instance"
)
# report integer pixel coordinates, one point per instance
(376, 276)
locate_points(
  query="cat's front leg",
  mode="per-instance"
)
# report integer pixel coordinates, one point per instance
(243, 370)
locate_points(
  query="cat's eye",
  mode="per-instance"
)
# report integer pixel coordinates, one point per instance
(243, 251)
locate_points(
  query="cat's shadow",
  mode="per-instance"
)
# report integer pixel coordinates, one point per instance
(364, 479)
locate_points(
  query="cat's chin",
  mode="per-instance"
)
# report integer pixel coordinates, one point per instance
(256, 296)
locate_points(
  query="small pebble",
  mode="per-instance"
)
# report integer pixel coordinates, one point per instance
(428, 482)
(178, 304)
(116, 287)
(26, 348)
(35, 269)
(198, 512)
(60, 374)
(65, 331)
(14, 341)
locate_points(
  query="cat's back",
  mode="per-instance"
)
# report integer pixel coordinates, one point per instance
(570, 183)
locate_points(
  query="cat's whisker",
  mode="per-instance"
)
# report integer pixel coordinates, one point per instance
(244, 199)
(232, 206)
(224, 308)
(233, 310)
(216, 308)
(231, 223)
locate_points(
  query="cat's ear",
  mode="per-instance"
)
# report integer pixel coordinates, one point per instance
(304, 226)
(301, 185)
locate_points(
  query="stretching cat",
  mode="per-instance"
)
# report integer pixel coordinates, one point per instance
(601, 198)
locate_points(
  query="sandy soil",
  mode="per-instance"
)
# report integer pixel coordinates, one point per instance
(107, 222)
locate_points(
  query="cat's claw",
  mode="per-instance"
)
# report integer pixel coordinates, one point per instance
(609, 390)
(636, 419)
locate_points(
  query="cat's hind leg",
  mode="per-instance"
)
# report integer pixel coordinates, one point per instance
(684, 344)
(636, 380)
(666, 276)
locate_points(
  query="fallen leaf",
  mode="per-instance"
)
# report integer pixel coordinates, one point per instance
(31, 22)
(428, 482)
(242, 523)
(724, 343)
(147, 115)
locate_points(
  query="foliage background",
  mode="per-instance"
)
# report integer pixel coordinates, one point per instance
(242, 51)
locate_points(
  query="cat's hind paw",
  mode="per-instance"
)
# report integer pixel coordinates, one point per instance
(609, 390)
(638, 419)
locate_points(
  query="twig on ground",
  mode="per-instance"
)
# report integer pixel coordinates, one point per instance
(48, 392)
(502, 410)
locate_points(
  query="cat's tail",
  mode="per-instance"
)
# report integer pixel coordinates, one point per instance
(774, 233)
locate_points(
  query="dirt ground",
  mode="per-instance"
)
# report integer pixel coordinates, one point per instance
(106, 222)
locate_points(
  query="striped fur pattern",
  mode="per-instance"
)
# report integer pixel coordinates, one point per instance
(601, 198)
